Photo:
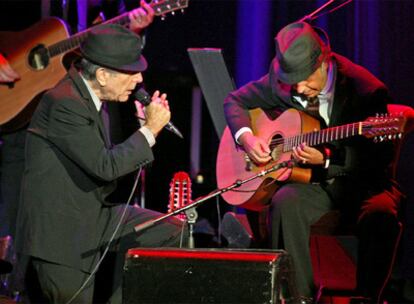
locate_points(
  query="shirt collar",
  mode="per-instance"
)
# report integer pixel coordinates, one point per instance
(96, 101)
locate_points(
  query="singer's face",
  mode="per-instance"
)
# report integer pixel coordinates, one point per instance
(118, 86)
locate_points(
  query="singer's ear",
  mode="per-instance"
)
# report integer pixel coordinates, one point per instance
(101, 76)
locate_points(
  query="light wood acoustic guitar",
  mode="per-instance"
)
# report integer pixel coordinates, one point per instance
(36, 54)
(290, 129)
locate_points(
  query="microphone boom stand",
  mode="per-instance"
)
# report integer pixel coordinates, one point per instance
(190, 208)
(313, 15)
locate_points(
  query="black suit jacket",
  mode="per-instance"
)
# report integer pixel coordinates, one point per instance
(358, 167)
(70, 169)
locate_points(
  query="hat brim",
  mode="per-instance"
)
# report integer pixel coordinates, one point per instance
(138, 66)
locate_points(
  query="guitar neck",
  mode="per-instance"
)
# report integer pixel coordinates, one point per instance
(160, 7)
(74, 41)
(324, 136)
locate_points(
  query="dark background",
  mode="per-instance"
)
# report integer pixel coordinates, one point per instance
(377, 34)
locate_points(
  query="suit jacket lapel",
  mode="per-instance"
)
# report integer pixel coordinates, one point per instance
(340, 99)
(83, 90)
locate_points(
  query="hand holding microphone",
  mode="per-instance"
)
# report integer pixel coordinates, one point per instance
(157, 112)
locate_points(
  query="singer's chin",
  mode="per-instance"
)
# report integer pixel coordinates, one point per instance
(124, 97)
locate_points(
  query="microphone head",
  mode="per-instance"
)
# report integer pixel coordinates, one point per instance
(142, 96)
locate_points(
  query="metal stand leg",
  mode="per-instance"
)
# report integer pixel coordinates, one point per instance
(192, 216)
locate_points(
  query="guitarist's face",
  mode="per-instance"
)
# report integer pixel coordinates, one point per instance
(314, 84)
(117, 86)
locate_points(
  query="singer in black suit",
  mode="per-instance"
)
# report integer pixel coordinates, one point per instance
(66, 218)
(351, 175)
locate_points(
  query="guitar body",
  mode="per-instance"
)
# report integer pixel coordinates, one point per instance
(233, 164)
(17, 47)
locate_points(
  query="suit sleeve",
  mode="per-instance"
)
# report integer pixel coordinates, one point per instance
(257, 94)
(74, 131)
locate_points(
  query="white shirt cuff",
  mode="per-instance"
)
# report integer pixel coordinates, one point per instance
(240, 132)
(148, 135)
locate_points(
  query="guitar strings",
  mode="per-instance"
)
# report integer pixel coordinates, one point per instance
(280, 141)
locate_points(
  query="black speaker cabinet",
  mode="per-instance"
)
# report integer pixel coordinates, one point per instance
(207, 276)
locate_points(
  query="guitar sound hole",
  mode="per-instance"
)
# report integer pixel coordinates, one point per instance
(276, 146)
(39, 58)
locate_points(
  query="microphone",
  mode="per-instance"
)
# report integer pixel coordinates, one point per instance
(145, 99)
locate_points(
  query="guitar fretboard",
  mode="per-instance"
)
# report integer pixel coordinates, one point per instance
(324, 136)
(74, 41)
(160, 7)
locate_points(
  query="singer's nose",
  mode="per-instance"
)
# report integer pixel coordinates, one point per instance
(138, 78)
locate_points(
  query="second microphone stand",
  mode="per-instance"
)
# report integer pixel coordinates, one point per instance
(190, 210)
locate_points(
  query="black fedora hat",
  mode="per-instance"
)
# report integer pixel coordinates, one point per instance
(114, 47)
(299, 52)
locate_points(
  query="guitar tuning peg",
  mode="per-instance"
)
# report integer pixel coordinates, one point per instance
(173, 13)
(376, 139)
(182, 11)
(163, 17)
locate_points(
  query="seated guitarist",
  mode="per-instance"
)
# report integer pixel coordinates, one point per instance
(351, 175)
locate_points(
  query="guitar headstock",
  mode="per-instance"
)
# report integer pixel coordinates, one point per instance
(180, 191)
(163, 7)
(384, 127)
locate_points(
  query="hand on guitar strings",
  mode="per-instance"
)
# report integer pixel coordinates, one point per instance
(308, 155)
(256, 148)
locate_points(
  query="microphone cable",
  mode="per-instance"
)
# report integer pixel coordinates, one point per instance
(98, 264)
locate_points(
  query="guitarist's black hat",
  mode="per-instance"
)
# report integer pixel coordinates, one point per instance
(299, 52)
(114, 47)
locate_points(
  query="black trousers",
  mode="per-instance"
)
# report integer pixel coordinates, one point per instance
(48, 282)
(11, 171)
(295, 207)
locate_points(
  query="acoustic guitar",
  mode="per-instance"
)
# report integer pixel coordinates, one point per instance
(36, 54)
(289, 130)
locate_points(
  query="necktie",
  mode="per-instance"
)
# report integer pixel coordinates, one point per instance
(313, 107)
(105, 121)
